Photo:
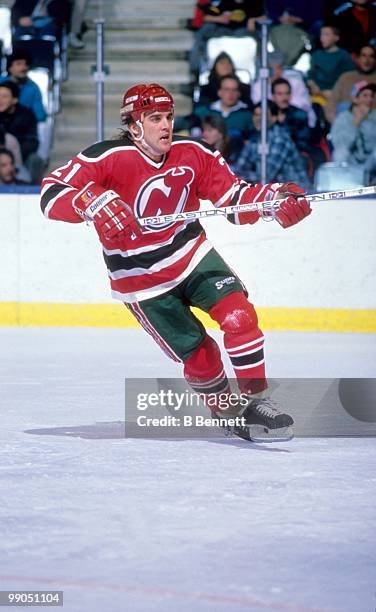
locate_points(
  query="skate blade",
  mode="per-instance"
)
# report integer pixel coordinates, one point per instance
(259, 433)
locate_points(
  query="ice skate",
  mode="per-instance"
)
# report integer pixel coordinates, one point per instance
(264, 422)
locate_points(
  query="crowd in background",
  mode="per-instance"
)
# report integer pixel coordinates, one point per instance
(318, 112)
(38, 28)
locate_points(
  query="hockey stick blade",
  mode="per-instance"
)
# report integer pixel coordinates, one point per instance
(269, 206)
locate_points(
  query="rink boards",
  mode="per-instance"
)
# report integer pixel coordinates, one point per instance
(318, 275)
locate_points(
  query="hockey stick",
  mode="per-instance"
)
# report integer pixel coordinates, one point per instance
(267, 209)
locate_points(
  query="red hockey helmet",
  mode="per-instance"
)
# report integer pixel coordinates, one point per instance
(145, 97)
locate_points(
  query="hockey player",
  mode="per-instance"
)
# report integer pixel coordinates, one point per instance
(159, 272)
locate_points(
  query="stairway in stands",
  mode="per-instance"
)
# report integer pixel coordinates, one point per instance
(144, 41)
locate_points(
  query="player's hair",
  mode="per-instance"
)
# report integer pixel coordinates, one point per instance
(124, 134)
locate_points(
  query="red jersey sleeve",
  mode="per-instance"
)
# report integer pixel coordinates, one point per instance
(61, 186)
(223, 188)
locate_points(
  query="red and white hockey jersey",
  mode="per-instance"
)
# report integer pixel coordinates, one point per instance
(164, 255)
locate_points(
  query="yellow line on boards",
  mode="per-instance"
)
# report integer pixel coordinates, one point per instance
(116, 315)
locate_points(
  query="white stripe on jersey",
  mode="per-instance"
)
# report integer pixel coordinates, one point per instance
(50, 204)
(145, 294)
(159, 265)
(150, 329)
(228, 195)
(150, 247)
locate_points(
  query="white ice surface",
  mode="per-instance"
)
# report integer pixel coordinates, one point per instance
(167, 526)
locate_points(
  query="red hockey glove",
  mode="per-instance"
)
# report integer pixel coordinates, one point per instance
(259, 193)
(112, 217)
(291, 210)
(254, 193)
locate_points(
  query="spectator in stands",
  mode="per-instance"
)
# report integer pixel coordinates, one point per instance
(310, 142)
(21, 122)
(223, 66)
(354, 131)
(237, 116)
(224, 18)
(356, 22)
(284, 162)
(294, 119)
(306, 15)
(290, 41)
(198, 16)
(327, 64)
(8, 170)
(78, 12)
(214, 133)
(341, 95)
(299, 92)
(18, 65)
(36, 18)
(10, 142)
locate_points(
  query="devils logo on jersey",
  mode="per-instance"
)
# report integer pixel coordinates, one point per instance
(164, 194)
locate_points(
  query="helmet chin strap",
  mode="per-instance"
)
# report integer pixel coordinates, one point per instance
(142, 140)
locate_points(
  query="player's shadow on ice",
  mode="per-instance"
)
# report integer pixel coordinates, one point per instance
(96, 431)
(116, 430)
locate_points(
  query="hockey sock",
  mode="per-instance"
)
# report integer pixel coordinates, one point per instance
(205, 373)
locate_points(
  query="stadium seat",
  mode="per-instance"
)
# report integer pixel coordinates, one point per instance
(42, 78)
(5, 29)
(45, 54)
(42, 52)
(303, 64)
(45, 136)
(242, 51)
(334, 176)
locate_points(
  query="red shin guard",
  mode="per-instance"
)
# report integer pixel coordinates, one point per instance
(243, 340)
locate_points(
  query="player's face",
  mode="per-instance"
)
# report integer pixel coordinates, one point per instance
(158, 131)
